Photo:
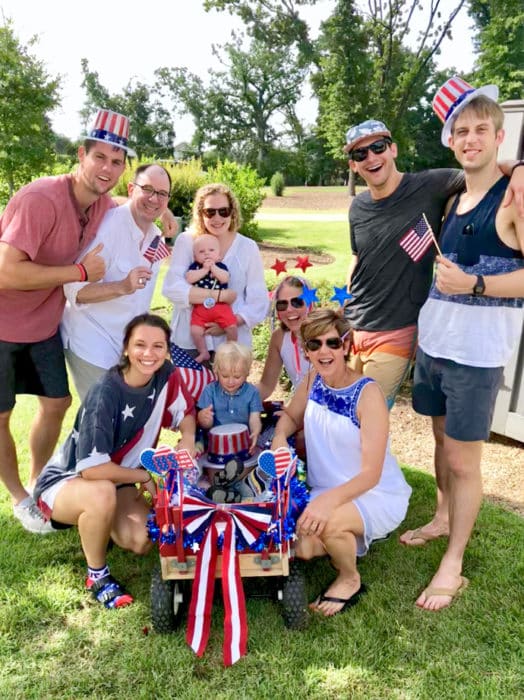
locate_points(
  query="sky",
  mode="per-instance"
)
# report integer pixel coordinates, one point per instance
(130, 40)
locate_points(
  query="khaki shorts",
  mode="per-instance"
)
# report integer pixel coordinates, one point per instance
(385, 356)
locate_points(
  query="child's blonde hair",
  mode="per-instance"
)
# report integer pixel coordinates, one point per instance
(231, 354)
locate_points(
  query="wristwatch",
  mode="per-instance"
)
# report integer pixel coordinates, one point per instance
(209, 302)
(479, 287)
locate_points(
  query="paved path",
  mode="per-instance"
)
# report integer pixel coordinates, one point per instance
(267, 216)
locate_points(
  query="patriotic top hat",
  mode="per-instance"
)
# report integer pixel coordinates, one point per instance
(227, 442)
(111, 127)
(451, 99)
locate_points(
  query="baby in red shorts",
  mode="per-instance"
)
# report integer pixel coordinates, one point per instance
(207, 272)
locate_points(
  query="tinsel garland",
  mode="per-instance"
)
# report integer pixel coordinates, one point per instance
(276, 535)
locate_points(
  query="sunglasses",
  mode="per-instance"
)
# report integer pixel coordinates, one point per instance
(296, 303)
(360, 154)
(315, 344)
(224, 212)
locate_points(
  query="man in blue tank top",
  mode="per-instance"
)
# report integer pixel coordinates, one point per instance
(469, 326)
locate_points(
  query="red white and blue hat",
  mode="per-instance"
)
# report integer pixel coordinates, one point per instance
(227, 442)
(451, 99)
(113, 128)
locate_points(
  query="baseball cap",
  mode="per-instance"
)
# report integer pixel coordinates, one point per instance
(371, 127)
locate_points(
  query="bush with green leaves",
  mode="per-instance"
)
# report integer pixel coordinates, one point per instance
(188, 176)
(247, 186)
(278, 184)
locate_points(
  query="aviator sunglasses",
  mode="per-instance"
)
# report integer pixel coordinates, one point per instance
(296, 303)
(314, 344)
(210, 212)
(360, 154)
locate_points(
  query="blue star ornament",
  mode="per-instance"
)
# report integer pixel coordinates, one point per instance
(309, 295)
(341, 295)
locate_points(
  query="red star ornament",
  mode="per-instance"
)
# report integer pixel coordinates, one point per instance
(303, 262)
(279, 266)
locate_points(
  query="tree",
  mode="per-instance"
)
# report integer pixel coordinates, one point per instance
(499, 45)
(366, 70)
(277, 23)
(363, 64)
(188, 94)
(151, 131)
(27, 97)
(247, 106)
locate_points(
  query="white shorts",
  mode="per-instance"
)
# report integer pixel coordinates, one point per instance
(47, 498)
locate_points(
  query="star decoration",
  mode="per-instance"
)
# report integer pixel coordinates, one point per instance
(74, 434)
(195, 547)
(309, 295)
(151, 396)
(279, 266)
(303, 263)
(128, 411)
(341, 295)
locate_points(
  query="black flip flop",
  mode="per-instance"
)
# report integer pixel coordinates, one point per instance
(346, 602)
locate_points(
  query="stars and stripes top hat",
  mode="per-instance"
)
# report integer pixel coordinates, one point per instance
(111, 127)
(227, 442)
(451, 99)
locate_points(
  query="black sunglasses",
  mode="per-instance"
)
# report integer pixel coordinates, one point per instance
(315, 344)
(296, 303)
(360, 154)
(210, 212)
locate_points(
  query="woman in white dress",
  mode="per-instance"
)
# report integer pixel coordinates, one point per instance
(216, 211)
(358, 492)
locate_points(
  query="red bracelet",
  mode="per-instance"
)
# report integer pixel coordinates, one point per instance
(83, 272)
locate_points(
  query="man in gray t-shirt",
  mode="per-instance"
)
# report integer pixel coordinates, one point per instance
(387, 285)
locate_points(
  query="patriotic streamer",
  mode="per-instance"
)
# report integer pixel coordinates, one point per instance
(250, 519)
(200, 513)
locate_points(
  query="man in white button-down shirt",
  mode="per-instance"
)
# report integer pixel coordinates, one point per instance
(96, 313)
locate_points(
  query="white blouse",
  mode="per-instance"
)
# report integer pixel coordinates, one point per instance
(246, 278)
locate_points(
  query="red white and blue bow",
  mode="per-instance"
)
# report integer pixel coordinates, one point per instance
(245, 522)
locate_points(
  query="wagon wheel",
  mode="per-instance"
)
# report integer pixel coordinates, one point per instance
(169, 600)
(294, 600)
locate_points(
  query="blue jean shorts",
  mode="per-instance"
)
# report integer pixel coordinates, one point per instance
(464, 395)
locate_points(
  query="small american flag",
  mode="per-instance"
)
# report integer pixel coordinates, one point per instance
(157, 250)
(417, 240)
(193, 374)
(184, 460)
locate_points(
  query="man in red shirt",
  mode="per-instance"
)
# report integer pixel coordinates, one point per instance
(43, 229)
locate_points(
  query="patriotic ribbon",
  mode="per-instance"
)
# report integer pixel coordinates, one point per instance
(244, 522)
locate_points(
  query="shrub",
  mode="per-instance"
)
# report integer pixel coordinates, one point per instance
(261, 337)
(278, 184)
(188, 176)
(247, 186)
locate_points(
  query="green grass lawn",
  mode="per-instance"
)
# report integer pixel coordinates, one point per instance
(54, 643)
(312, 237)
